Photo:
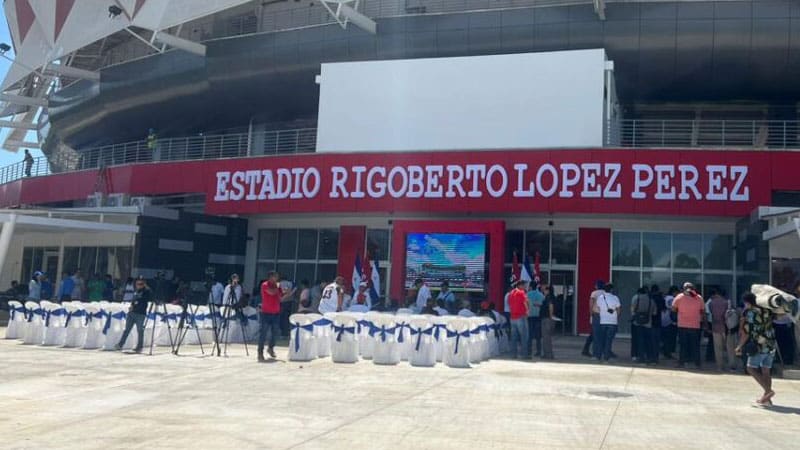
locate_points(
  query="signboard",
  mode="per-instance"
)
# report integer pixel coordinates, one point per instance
(593, 181)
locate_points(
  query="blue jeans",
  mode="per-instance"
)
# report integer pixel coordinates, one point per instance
(270, 323)
(535, 331)
(137, 320)
(519, 337)
(604, 341)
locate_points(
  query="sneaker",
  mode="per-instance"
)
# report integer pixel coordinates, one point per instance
(271, 352)
(138, 350)
(117, 348)
(261, 357)
(586, 353)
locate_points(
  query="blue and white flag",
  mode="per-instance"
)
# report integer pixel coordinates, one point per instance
(357, 275)
(525, 271)
(375, 286)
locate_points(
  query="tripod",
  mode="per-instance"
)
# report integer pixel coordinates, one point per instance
(223, 336)
(183, 331)
(154, 312)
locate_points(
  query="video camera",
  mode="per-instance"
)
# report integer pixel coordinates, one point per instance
(775, 300)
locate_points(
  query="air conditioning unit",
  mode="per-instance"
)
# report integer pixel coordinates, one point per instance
(95, 200)
(116, 200)
(140, 201)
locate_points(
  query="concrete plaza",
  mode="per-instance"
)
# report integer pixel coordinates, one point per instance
(68, 398)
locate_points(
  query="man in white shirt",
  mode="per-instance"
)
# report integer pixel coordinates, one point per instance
(233, 292)
(423, 294)
(217, 291)
(465, 311)
(446, 297)
(332, 297)
(593, 316)
(609, 308)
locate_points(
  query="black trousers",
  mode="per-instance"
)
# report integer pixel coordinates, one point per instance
(689, 340)
(784, 337)
(668, 337)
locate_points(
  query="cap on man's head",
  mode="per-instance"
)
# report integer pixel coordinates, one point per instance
(688, 285)
(418, 281)
(599, 284)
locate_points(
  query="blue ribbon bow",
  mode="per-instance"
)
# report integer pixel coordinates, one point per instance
(419, 332)
(341, 329)
(400, 326)
(458, 336)
(437, 328)
(363, 323)
(373, 330)
(91, 316)
(297, 328)
(323, 322)
(71, 314)
(118, 315)
(35, 312)
(56, 312)
(17, 309)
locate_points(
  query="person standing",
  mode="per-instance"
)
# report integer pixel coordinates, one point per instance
(136, 315)
(316, 294)
(535, 302)
(233, 292)
(655, 330)
(518, 311)
(78, 285)
(304, 302)
(690, 308)
(270, 315)
(643, 308)
(35, 287)
(332, 296)
(423, 294)
(28, 162)
(717, 307)
(669, 324)
(66, 288)
(46, 288)
(128, 290)
(546, 316)
(609, 308)
(594, 317)
(447, 297)
(757, 342)
(96, 287)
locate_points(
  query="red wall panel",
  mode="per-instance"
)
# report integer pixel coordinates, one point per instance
(351, 243)
(594, 263)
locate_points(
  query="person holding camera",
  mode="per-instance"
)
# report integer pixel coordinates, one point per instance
(136, 315)
(757, 342)
(691, 310)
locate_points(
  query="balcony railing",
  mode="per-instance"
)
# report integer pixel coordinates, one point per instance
(744, 134)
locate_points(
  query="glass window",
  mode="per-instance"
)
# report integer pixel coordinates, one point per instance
(267, 240)
(537, 241)
(662, 278)
(71, 258)
(686, 250)
(329, 244)
(305, 272)
(102, 259)
(378, 244)
(678, 278)
(565, 247)
(723, 284)
(286, 270)
(514, 241)
(626, 282)
(88, 261)
(625, 247)
(656, 250)
(718, 252)
(124, 262)
(326, 272)
(307, 244)
(287, 244)
(262, 269)
(27, 265)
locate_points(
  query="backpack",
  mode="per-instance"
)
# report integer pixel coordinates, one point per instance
(642, 318)
(731, 317)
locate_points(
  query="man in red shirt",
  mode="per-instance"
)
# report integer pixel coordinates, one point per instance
(271, 297)
(518, 306)
(691, 311)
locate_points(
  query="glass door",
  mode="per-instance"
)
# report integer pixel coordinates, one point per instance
(562, 283)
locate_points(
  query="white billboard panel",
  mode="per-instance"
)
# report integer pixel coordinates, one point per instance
(529, 100)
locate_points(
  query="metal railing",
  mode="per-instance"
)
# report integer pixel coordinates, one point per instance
(18, 170)
(771, 134)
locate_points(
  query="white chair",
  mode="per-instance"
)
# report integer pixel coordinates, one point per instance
(16, 320)
(478, 341)
(253, 323)
(386, 349)
(365, 341)
(55, 316)
(457, 344)
(344, 340)
(114, 326)
(439, 324)
(423, 345)
(236, 324)
(302, 344)
(95, 321)
(404, 335)
(34, 330)
(404, 312)
(322, 334)
(75, 324)
(493, 337)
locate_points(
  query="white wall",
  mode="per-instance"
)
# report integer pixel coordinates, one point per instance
(529, 100)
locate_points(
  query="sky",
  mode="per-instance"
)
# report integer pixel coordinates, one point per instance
(7, 157)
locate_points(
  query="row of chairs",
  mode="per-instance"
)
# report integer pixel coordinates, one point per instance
(100, 325)
(389, 339)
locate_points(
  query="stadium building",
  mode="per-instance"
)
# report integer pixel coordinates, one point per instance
(642, 142)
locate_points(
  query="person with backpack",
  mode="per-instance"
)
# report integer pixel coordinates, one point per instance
(643, 308)
(718, 307)
(757, 342)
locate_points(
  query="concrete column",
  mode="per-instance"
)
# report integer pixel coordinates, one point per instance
(5, 238)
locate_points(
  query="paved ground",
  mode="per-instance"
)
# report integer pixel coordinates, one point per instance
(69, 398)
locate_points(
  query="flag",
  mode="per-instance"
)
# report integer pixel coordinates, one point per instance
(537, 273)
(357, 274)
(515, 270)
(525, 272)
(375, 286)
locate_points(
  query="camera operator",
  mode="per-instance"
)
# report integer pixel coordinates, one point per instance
(137, 314)
(233, 292)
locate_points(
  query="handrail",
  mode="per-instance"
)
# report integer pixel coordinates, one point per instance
(629, 133)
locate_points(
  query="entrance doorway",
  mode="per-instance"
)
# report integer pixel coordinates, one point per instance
(50, 265)
(562, 283)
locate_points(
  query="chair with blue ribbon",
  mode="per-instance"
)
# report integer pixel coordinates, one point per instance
(439, 325)
(344, 345)
(114, 325)
(383, 331)
(322, 333)
(423, 343)
(457, 345)
(95, 321)
(404, 336)
(34, 329)
(366, 343)
(479, 343)
(17, 320)
(74, 325)
(302, 344)
(54, 317)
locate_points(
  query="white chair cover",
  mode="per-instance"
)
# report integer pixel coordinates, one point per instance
(75, 324)
(166, 325)
(404, 335)
(344, 340)
(236, 323)
(405, 312)
(457, 344)
(302, 343)
(95, 321)
(478, 342)
(492, 334)
(253, 323)
(115, 325)
(55, 316)
(322, 333)
(365, 341)
(423, 345)
(34, 330)
(199, 323)
(439, 325)
(16, 320)
(386, 349)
